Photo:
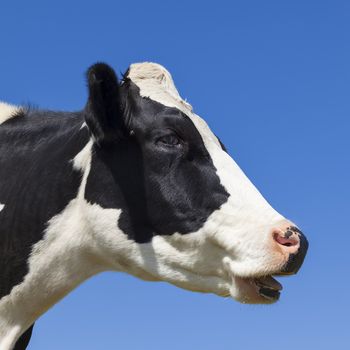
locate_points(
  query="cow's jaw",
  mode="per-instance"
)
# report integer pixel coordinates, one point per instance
(195, 261)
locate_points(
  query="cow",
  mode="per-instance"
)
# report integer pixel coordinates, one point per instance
(135, 182)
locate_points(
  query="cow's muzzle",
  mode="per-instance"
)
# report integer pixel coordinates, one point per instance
(292, 240)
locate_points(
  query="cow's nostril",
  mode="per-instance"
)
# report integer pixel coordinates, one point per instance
(287, 238)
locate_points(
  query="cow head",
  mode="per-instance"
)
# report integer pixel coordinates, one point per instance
(164, 201)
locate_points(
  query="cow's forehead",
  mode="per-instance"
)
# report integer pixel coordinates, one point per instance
(156, 83)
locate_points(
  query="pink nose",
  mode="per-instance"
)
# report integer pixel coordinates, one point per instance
(293, 242)
(286, 238)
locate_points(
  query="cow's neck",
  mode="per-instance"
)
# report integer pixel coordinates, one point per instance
(61, 258)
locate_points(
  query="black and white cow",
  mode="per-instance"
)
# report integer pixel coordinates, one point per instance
(136, 182)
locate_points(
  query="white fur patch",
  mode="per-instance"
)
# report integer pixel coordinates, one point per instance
(8, 339)
(82, 160)
(156, 83)
(2, 206)
(7, 111)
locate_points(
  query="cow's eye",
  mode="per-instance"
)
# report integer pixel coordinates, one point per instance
(169, 140)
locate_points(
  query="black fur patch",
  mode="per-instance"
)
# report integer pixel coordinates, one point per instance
(161, 189)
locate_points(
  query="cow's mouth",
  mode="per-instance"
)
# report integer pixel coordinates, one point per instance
(258, 289)
(252, 290)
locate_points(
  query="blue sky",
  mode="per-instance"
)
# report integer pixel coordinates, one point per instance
(272, 78)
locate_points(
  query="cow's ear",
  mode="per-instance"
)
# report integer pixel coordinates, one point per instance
(103, 111)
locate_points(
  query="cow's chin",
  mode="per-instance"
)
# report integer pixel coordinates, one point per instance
(249, 290)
